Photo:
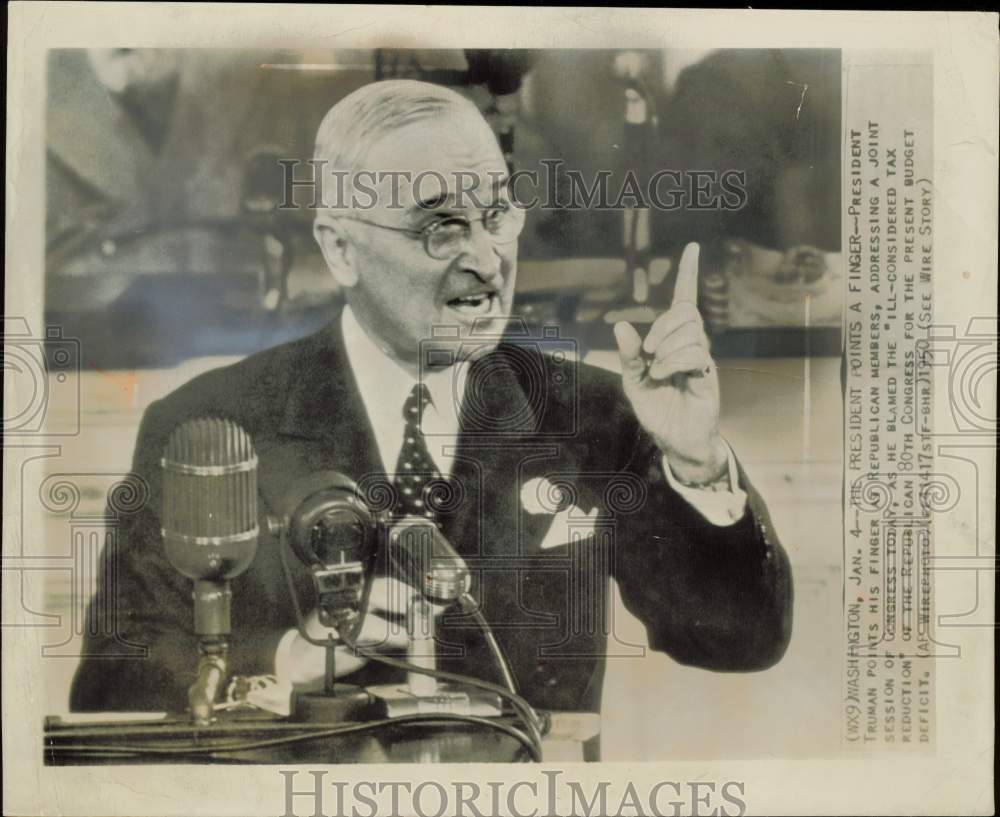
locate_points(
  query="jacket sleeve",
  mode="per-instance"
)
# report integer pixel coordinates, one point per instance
(718, 597)
(140, 651)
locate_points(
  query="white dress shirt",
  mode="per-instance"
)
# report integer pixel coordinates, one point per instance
(384, 386)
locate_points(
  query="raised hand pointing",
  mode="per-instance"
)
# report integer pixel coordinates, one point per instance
(671, 381)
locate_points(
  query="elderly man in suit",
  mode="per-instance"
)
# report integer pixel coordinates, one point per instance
(535, 449)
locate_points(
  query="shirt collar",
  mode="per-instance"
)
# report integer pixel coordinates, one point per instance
(385, 384)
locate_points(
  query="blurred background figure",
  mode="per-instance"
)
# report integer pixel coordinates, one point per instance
(775, 115)
(163, 185)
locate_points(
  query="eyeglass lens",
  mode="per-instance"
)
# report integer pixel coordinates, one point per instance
(447, 238)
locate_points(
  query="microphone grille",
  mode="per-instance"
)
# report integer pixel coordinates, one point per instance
(209, 483)
(209, 441)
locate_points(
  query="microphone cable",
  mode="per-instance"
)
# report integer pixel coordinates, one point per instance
(469, 605)
(520, 705)
(523, 709)
(423, 719)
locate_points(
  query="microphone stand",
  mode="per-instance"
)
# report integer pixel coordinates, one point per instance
(212, 668)
(336, 703)
(330, 670)
(212, 624)
(420, 649)
(422, 693)
(318, 515)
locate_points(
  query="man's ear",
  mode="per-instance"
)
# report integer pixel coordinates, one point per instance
(337, 249)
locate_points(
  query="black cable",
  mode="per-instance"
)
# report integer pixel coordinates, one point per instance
(283, 546)
(337, 731)
(521, 706)
(469, 606)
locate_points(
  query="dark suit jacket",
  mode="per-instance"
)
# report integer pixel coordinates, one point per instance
(714, 597)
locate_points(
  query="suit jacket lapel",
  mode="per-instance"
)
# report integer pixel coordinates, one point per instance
(495, 402)
(499, 426)
(324, 407)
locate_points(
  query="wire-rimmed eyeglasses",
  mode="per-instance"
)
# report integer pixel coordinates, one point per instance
(444, 239)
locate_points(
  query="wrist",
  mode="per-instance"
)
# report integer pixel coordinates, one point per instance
(701, 470)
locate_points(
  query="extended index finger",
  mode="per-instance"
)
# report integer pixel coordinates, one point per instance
(686, 288)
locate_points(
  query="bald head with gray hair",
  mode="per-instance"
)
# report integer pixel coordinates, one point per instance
(398, 150)
(361, 118)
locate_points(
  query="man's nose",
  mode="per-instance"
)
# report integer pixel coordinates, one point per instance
(482, 256)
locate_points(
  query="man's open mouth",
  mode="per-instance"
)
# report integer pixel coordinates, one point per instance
(478, 303)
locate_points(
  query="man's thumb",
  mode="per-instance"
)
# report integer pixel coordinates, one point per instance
(629, 347)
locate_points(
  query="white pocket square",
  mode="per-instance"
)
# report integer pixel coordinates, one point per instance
(569, 525)
(569, 522)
